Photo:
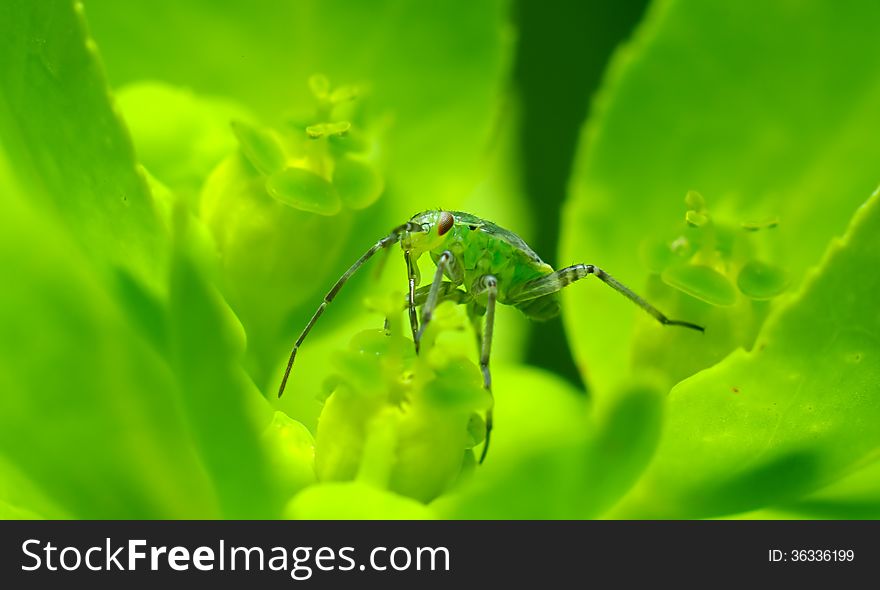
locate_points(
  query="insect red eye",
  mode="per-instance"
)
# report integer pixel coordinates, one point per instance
(445, 223)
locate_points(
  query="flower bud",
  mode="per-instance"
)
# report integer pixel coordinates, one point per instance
(401, 421)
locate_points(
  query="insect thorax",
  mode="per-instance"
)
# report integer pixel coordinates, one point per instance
(478, 253)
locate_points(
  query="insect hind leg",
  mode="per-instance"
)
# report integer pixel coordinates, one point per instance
(388, 240)
(560, 279)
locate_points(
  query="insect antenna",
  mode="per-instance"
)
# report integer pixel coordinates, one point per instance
(388, 240)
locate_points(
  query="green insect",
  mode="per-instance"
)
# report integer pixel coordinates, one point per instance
(481, 265)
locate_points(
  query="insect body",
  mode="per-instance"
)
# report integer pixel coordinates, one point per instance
(478, 264)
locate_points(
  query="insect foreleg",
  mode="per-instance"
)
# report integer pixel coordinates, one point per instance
(562, 278)
(388, 240)
(490, 284)
(448, 292)
(412, 273)
(433, 293)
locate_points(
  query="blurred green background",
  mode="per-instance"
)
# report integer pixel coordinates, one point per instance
(183, 181)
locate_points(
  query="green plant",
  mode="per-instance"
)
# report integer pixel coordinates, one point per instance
(168, 227)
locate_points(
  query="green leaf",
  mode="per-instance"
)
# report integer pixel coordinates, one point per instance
(797, 412)
(206, 348)
(63, 138)
(20, 498)
(94, 364)
(89, 417)
(550, 457)
(747, 103)
(89, 413)
(855, 496)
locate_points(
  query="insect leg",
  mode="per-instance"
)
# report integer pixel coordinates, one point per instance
(412, 271)
(491, 285)
(434, 292)
(388, 240)
(475, 313)
(448, 292)
(562, 278)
